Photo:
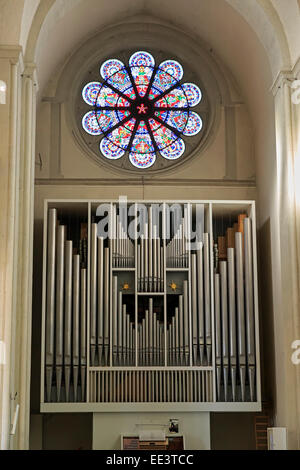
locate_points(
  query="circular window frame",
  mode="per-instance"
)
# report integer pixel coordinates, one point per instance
(192, 60)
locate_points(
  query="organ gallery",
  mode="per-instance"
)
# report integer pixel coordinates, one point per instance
(149, 201)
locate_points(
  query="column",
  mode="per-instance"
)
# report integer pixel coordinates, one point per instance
(287, 317)
(17, 120)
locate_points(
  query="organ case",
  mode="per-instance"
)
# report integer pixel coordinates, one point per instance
(150, 314)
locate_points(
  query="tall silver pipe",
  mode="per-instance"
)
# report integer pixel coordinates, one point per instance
(173, 355)
(100, 299)
(142, 282)
(249, 301)
(232, 319)
(147, 337)
(150, 251)
(132, 343)
(218, 336)
(177, 337)
(124, 328)
(162, 343)
(139, 267)
(68, 316)
(59, 324)
(127, 335)
(120, 328)
(154, 257)
(93, 298)
(224, 310)
(206, 255)
(169, 344)
(115, 318)
(150, 332)
(143, 342)
(146, 254)
(106, 305)
(159, 261)
(194, 309)
(140, 343)
(161, 269)
(240, 311)
(200, 297)
(50, 306)
(75, 322)
(155, 362)
(83, 351)
(181, 331)
(186, 321)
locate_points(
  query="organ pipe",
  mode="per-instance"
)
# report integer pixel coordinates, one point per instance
(122, 332)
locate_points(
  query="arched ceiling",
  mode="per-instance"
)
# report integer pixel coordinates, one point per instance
(70, 22)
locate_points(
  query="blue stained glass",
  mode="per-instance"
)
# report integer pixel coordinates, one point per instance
(141, 58)
(90, 123)
(90, 92)
(130, 93)
(123, 114)
(107, 119)
(162, 82)
(173, 68)
(120, 80)
(174, 151)
(142, 160)
(142, 142)
(194, 124)
(142, 76)
(176, 119)
(107, 97)
(109, 67)
(129, 103)
(175, 99)
(121, 136)
(164, 137)
(193, 93)
(109, 150)
(155, 124)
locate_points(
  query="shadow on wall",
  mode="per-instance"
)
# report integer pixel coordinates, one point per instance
(241, 427)
(266, 314)
(63, 431)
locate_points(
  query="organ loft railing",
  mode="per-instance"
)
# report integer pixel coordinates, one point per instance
(150, 302)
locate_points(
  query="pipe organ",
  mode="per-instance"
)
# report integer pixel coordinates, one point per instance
(150, 302)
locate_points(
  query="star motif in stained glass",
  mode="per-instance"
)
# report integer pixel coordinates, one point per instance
(142, 109)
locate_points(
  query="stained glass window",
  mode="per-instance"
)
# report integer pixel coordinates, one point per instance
(141, 109)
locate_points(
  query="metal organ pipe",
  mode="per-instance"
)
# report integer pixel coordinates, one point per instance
(68, 316)
(200, 297)
(224, 317)
(50, 306)
(240, 312)
(249, 301)
(194, 310)
(170, 330)
(93, 292)
(75, 322)
(207, 297)
(232, 320)
(100, 283)
(61, 234)
(106, 305)
(83, 332)
(218, 335)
